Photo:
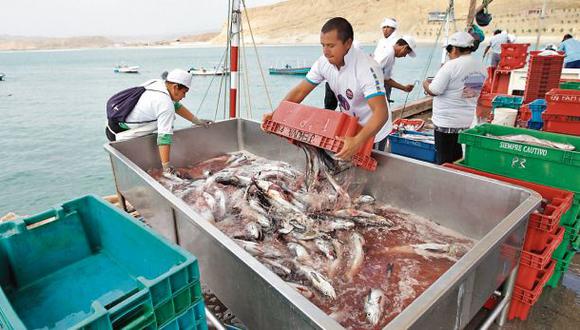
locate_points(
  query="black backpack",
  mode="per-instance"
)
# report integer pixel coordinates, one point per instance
(120, 105)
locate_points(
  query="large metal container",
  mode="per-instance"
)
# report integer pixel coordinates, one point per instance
(493, 213)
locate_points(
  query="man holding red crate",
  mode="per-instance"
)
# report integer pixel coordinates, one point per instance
(356, 80)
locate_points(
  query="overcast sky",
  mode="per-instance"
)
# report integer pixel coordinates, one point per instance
(65, 18)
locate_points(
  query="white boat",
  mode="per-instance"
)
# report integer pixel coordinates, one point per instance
(201, 71)
(126, 69)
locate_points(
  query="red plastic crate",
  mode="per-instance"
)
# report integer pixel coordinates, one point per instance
(543, 75)
(563, 102)
(523, 299)
(511, 62)
(561, 124)
(514, 49)
(531, 263)
(319, 127)
(501, 81)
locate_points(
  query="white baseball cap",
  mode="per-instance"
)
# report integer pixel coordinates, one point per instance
(180, 76)
(460, 39)
(412, 44)
(390, 22)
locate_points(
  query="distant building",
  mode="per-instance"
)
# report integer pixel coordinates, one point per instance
(438, 16)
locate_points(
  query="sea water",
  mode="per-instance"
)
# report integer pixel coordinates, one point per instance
(52, 108)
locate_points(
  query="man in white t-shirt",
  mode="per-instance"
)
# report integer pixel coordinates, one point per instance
(499, 37)
(384, 45)
(402, 47)
(355, 78)
(155, 111)
(456, 88)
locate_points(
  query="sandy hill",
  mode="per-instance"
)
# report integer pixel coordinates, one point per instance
(299, 21)
(32, 43)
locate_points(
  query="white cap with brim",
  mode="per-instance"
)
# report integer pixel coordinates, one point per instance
(412, 44)
(460, 39)
(389, 22)
(180, 76)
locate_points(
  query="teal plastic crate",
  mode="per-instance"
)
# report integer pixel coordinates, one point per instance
(543, 165)
(86, 264)
(194, 319)
(507, 101)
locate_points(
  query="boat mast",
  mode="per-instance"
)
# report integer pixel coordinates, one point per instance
(235, 28)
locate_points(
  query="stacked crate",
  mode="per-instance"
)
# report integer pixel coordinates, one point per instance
(543, 235)
(563, 111)
(543, 74)
(87, 265)
(543, 165)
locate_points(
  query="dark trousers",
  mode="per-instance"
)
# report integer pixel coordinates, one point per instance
(330, 101)
(381, 145)
(447, 148)
(573, 65)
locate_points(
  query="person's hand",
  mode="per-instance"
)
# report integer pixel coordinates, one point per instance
(169, 171)
(350, 147)
(266, 116)
(408, 88)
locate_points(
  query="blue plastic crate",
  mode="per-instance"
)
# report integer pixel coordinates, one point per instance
(535, 125)
(507, 101)
(192, 319)
(86, 264)
(537, 107)
(411, 148)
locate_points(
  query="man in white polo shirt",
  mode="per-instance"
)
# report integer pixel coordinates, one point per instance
(384, 45)
(155, 111)
(404, 46)
(356, 80)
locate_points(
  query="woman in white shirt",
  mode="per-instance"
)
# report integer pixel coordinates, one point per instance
(456, 88)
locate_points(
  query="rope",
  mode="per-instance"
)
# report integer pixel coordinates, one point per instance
(257, 56)
(407, 98)
(246, 80)
(210, 84)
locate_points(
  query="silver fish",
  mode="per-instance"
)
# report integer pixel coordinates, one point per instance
(363, 218)
(329, 224)
(374, 306)
(334, 266)
(303, 290)
(364, 199)
(357, 254)
(275, 196)
(251, 231)
(220, 199)
(276, 267)
(257, 250)
(318, 280)
(432, 247)
(256, 212)
(326, 248)
(299, 251)
(306, 236)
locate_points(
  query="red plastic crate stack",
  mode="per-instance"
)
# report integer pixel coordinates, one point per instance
(513, 56)
(543, 75)
(543, 236)
(319, 127)
(562, 114)
(501, 81)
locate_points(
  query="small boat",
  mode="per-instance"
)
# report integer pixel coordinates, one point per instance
(201, 71)
(126, 69)
(287, 69)
(2, 75)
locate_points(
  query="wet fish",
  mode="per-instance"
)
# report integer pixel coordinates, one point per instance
(363, 218)
(303, 290)
(318, 280)
(251, 231)
(257, 250)
(364, 199)
(374, 306)
(220, 199)
(299, 251)
(432, 247)
(330, 223)
(277, 267)
(326, 248)
(275, 196)
(357, 254)
(306, 236)
(334, 266)
(259, 214)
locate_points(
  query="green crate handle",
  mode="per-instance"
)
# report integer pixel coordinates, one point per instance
(52, 213)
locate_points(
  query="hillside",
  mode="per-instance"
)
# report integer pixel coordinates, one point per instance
(33, 43)
(299, 21)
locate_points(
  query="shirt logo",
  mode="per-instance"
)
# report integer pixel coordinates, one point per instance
(344, 106)
(349, 94)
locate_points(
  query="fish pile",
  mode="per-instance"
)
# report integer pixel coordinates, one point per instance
(360, 261)
(524, 138)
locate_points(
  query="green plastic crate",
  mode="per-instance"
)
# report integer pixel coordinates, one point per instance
(573, 213)
(570, 238)
(192, 319)
(574, 85)
(561, 268)
(543, 165)
(87, 265)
